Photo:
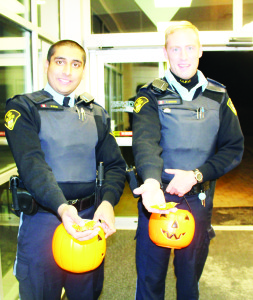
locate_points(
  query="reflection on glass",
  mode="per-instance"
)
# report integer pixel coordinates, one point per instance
(248, 16)
(122, 82)
(113, 16)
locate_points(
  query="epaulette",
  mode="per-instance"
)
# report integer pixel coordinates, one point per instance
(215, 85)
(214, 90)
(39, 97)
(86, 98)
(144, 86)
(160, 85)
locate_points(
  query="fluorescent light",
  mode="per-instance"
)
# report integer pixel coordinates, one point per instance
(39, 2)
(172, 3)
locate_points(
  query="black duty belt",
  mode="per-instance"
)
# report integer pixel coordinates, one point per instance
(196, 189)
(83, 203)
(199, 187)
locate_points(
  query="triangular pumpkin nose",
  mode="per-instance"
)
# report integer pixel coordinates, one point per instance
(175, 225)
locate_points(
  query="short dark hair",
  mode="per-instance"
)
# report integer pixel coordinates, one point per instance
(69, 43)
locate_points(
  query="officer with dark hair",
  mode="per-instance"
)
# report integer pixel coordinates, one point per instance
(186, 134)
(58, 140)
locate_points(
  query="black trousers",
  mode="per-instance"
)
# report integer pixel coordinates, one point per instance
(39, 276)
(152, 261)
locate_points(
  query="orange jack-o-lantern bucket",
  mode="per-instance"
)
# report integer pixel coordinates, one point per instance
(78, 256)
(172, 230)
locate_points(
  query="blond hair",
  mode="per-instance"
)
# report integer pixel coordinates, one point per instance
(176, 25)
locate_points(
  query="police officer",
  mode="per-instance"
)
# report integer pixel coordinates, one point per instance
(186, 134)
(57, 143)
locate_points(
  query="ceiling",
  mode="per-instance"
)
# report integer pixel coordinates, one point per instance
(143, 16)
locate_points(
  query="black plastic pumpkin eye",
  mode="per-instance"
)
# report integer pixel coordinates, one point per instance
(163, 216)
(187, 217)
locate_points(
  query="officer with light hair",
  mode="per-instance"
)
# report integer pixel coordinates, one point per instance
(186, 134)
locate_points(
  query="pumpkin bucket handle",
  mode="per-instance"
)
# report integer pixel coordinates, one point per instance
(182, 199)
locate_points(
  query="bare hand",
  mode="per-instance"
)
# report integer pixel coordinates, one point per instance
(69, 216)
(151, 195)
(182, 182)
(105, 214)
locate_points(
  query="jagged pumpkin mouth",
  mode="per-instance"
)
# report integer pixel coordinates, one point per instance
(173, 236)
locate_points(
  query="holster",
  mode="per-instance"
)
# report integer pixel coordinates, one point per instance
(133, 179)
(22, 200)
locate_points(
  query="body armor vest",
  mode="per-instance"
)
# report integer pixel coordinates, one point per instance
(189, 128)
(68, 140)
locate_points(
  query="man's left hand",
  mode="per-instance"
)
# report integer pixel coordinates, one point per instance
(105, 214)
(181, 183)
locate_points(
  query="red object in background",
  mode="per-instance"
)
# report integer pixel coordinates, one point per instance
(126, 133)
(2, 133)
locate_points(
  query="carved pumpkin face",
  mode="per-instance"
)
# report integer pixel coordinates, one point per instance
(173, 230)
(78, 256)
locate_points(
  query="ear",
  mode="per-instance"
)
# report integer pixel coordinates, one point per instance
(200, 51)
(46, 66)
(83, 71)
(165, 53)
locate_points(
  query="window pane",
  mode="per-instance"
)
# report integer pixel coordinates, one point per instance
(122, 82)
(115, 16)
(15, 65)
(248, 16)
(20, 7)
(48, 16)
(42, 56)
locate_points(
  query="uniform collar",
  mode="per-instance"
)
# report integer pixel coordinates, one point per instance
(183, 92)
(58, 97)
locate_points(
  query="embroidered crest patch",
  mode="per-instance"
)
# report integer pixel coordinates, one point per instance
(10, 118)
(231, 106)
(139, 103)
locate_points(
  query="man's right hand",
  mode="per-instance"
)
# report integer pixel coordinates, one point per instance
(69, 216)
(152, 195)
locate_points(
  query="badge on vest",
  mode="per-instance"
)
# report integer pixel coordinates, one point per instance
(11, 118)
(169, 101)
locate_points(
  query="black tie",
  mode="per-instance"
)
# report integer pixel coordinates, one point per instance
(66, 101)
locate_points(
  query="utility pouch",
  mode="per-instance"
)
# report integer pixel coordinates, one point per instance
(22, 200)
(133, 179)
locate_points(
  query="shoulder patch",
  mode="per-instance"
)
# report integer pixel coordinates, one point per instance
(231, 106)
(10, 118)
(139, 103)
